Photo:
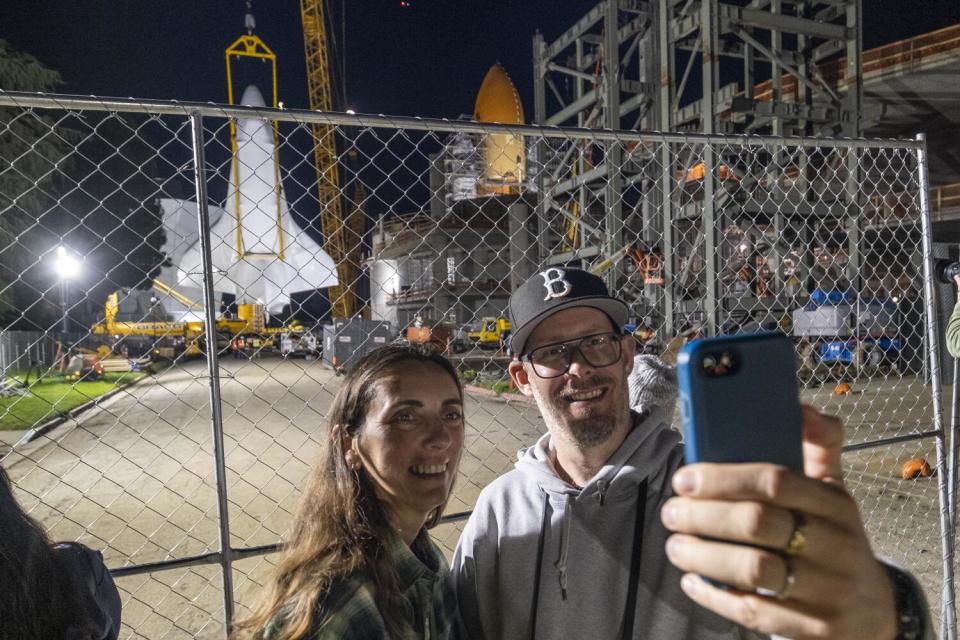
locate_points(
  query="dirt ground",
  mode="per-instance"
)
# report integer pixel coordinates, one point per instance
(135, 477)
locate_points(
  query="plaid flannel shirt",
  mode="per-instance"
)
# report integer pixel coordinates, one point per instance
(348, 611)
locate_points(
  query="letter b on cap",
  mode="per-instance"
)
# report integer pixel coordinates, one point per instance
(554, 281)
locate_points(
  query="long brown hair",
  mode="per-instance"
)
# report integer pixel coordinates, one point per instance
(339, 526)
(41, 600)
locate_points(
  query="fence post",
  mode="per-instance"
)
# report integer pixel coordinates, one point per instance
(948, 611)
(954, 450)
(213, 365)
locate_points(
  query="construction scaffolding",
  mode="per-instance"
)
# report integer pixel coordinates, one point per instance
(772, 67)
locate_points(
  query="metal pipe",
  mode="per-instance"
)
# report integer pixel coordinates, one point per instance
(873, 444)
(166, 565)
(712, 216)
(302, 116)
(686, 74)
(213, 364)
(948, 621)
(954, 450)
(237, 554)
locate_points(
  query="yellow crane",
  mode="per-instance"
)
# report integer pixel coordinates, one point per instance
(343, 299)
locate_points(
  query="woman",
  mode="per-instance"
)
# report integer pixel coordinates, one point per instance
(58, 592)
(359, 562)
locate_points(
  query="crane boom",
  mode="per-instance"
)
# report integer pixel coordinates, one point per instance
(342, 297)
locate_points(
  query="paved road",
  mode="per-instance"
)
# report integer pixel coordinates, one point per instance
(136, 477)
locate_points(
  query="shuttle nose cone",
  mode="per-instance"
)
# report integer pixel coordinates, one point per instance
(252, 97)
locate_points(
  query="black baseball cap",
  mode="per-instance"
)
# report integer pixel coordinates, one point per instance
(555, 289)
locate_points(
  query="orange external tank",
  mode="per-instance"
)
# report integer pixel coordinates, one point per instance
(504, 158)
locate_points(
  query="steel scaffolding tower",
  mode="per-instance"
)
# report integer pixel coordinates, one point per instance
(688, 66)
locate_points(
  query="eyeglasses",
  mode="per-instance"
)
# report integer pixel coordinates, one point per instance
(554, 360)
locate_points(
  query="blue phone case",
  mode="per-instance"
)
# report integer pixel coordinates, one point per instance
(752, 415)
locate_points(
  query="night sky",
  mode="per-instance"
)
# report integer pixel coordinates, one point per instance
(425, 59)
(414, 58)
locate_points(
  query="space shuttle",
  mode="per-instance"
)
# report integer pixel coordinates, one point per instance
(260, 254)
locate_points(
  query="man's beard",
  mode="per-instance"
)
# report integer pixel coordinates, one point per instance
(593, 429)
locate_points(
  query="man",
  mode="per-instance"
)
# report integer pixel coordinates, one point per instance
(576, 541)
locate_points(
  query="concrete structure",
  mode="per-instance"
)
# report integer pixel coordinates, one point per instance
(454, 268)
(453, 261)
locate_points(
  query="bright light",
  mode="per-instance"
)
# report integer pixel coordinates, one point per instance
(65, 264)
(351, 112)
(743, 247)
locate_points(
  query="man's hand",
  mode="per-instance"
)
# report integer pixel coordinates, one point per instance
(830, 587)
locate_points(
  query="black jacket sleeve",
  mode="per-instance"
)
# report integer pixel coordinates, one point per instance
(98, 599)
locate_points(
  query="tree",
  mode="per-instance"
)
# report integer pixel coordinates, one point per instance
(32, 146)
(112, 207)
(86, 180)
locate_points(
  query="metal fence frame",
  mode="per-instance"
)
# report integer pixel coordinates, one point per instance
(225, 556)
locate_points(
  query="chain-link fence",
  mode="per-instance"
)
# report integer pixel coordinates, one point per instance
(195, 354)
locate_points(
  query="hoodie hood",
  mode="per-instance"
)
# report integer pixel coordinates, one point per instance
(643, 455)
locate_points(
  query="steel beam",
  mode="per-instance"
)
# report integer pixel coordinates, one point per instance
(778, 62)
(582, 25)
(792, 110)
(638, 25)
(568, 256)
(711, 74)
(224, 552)
(613, 191)
(783, 23)
(553, 66)
(666, 64)
(572, 109)
(540, 117)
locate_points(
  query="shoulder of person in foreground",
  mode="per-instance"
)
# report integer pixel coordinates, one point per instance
(98, 595)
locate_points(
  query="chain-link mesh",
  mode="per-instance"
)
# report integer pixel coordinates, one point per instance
(108, 425)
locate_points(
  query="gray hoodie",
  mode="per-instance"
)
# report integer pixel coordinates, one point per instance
(580, 542)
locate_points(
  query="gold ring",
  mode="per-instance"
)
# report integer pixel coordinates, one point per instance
(789, 580)
(798, 541)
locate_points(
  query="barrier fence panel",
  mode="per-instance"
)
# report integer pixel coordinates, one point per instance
(172, 426)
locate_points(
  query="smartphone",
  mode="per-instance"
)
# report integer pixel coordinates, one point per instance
(739, 400)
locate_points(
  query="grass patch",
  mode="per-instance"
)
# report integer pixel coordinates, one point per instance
(498, 385)
(54, 396)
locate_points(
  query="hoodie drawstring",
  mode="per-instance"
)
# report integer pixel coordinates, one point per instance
(536, 574)
(561, 563)
(634, 585)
